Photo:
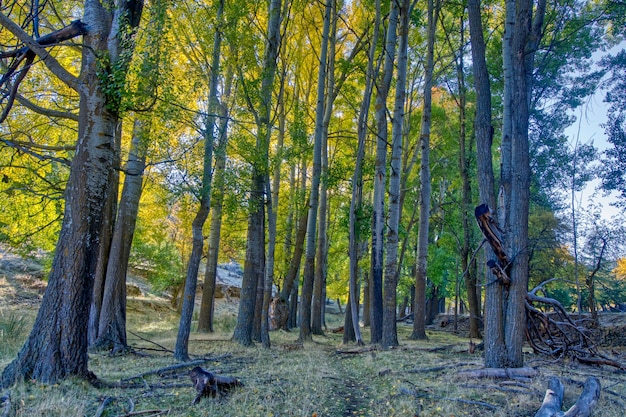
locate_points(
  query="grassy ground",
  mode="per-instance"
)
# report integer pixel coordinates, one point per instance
(319, 378)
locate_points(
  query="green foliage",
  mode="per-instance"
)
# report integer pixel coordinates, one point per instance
(159, 262)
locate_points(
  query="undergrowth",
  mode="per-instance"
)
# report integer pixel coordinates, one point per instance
(318, 378)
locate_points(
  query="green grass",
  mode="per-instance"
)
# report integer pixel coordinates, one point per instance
(319, 378)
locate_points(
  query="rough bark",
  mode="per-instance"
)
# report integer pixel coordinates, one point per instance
(57, 345)
(494, 338)
(112, 319)
(553, 400)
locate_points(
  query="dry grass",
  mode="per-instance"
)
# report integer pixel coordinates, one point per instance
(320, 378)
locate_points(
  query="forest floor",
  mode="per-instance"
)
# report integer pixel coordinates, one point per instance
(318, 378)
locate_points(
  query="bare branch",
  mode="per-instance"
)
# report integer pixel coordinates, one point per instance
(76, 28)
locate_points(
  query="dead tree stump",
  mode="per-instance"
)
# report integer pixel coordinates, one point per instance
(553, 400)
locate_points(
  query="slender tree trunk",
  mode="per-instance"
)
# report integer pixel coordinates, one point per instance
(207, 305)
(309, 257)
(108, 226)
(390, 336)
(494, 338)
(466, 195)
(321, 266)
(378, 230)
(254, 268)
(181, 351)
(111, 329)
(419, 324)
(112, 325)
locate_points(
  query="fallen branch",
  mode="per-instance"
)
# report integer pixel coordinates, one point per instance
(150, 413)
(553, 400)
(163, 348)
(102, 406)
(175, 367)
(512, 373)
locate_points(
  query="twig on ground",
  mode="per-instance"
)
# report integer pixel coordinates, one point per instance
(175, 367)
(102, 406)
(149, 413)
(150, 341)
(416, 394)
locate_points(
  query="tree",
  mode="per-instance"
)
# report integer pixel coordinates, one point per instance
(108, 311)
(484, 140)
(57, 345)
(523, 28)
(378, 220)
(613, 177)
(419, 326)
(392, 272)
(254, 267)
(309, 255)
(181, 351)
(205, 318)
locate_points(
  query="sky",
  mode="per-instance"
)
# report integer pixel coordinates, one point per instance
(588, 128)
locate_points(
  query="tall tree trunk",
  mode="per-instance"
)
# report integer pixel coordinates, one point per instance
(207, 305)
(181, 350)
(112, 325)
(378, 229)
(390, 335)
(494, 338)
(254, 268)
(272, 211)
(469, 275)
(111, 329)
(321, 265)
(309, 256)
(57, 345)
(526, 40)
(106, 238)
(419, 324)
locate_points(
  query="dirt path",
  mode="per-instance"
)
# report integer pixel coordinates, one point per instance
(350, 394)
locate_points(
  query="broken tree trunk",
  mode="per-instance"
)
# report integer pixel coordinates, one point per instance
(553, 401)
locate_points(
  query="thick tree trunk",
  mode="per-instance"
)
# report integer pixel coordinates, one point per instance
(57, 345)
(494, 337)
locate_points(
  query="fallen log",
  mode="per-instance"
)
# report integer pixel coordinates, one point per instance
(553, 400)
(512, 373)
